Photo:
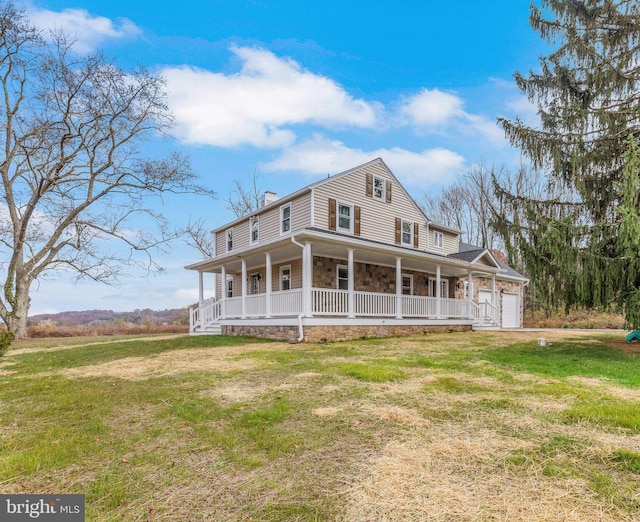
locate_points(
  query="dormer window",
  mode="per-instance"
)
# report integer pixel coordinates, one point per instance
(254, 227)
(229, 236)
(438, 239)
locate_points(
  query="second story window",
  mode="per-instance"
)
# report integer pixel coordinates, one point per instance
(254, 227)
(438, 239)
(229, 236)
(407, 233)
(285, 219)
(379, 188)
(345, 217)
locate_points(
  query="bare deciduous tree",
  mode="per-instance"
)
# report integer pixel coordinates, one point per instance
(242, 201)
(245, 198)
(73, 176)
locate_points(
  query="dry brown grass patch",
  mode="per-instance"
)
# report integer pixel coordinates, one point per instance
(169, 363)
(461, 475)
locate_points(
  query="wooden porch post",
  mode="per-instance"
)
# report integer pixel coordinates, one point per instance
(351, 300)
(398, 288)
(493, 290)
(306, 280)
(268, 282)
(438, 293)
(223, 288)
(470, 294)
(215, 286)
(200, 288)
(244, 288)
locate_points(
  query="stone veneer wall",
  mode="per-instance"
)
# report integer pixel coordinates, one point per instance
(367, 277)
(319, 334)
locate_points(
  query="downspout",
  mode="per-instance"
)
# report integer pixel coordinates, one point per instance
(300, 316)
(300, 329)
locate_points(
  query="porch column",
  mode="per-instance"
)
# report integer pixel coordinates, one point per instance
(470, 294)
(493, 290)
(306, 280)
(215, 286)
(268, 282)
(244, 288)
(223, 288)
(438, 293)
(398, 288)
(200, 288)
(351, 299)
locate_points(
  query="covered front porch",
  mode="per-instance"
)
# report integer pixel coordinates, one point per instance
(321, 278)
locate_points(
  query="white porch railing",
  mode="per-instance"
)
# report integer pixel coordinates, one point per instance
(232, 307)
(416, 306)
(255, 305)
(207, 313)
(486, 314)
(333, 302)
(286, 302)
(458, 308)
(328, 301)
(375, 304)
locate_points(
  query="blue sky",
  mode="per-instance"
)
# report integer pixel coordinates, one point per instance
(299, 90)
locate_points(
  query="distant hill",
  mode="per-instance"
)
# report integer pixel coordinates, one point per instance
(145, 316)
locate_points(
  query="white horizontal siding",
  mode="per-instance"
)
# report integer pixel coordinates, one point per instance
(450, 242)
(378, 218)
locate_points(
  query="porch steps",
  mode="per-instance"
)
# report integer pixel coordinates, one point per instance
(212, 329)
(485, 326)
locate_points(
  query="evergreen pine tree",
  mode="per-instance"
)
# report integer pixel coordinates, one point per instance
(581, 244)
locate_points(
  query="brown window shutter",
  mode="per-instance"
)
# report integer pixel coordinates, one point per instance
(398, 230)
(415, 235)
(332, 214)
(388, 191)
(369, 185)
(356, 222)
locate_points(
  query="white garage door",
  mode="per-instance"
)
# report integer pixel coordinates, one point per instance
(510, 310)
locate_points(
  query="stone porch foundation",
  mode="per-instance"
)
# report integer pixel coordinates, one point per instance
(326, 333)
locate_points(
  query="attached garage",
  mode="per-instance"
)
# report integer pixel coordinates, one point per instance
(510, 310)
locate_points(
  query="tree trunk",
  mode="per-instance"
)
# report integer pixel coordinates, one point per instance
(16, 319)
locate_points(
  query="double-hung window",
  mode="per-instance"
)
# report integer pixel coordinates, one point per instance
(438, 239)
(254, 228)
(379, 188)
(285, 277)
(342, 279)
(407, 233)
(285, 219)
(345, 218)
(229, 239)
(407, 284)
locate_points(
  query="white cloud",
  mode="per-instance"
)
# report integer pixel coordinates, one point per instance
(88, 30)
(431, 108)
(255, 105)
(437, 111)
(319, 155)
(525, 110)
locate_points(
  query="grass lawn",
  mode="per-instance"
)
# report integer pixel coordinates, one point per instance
(455, 427)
